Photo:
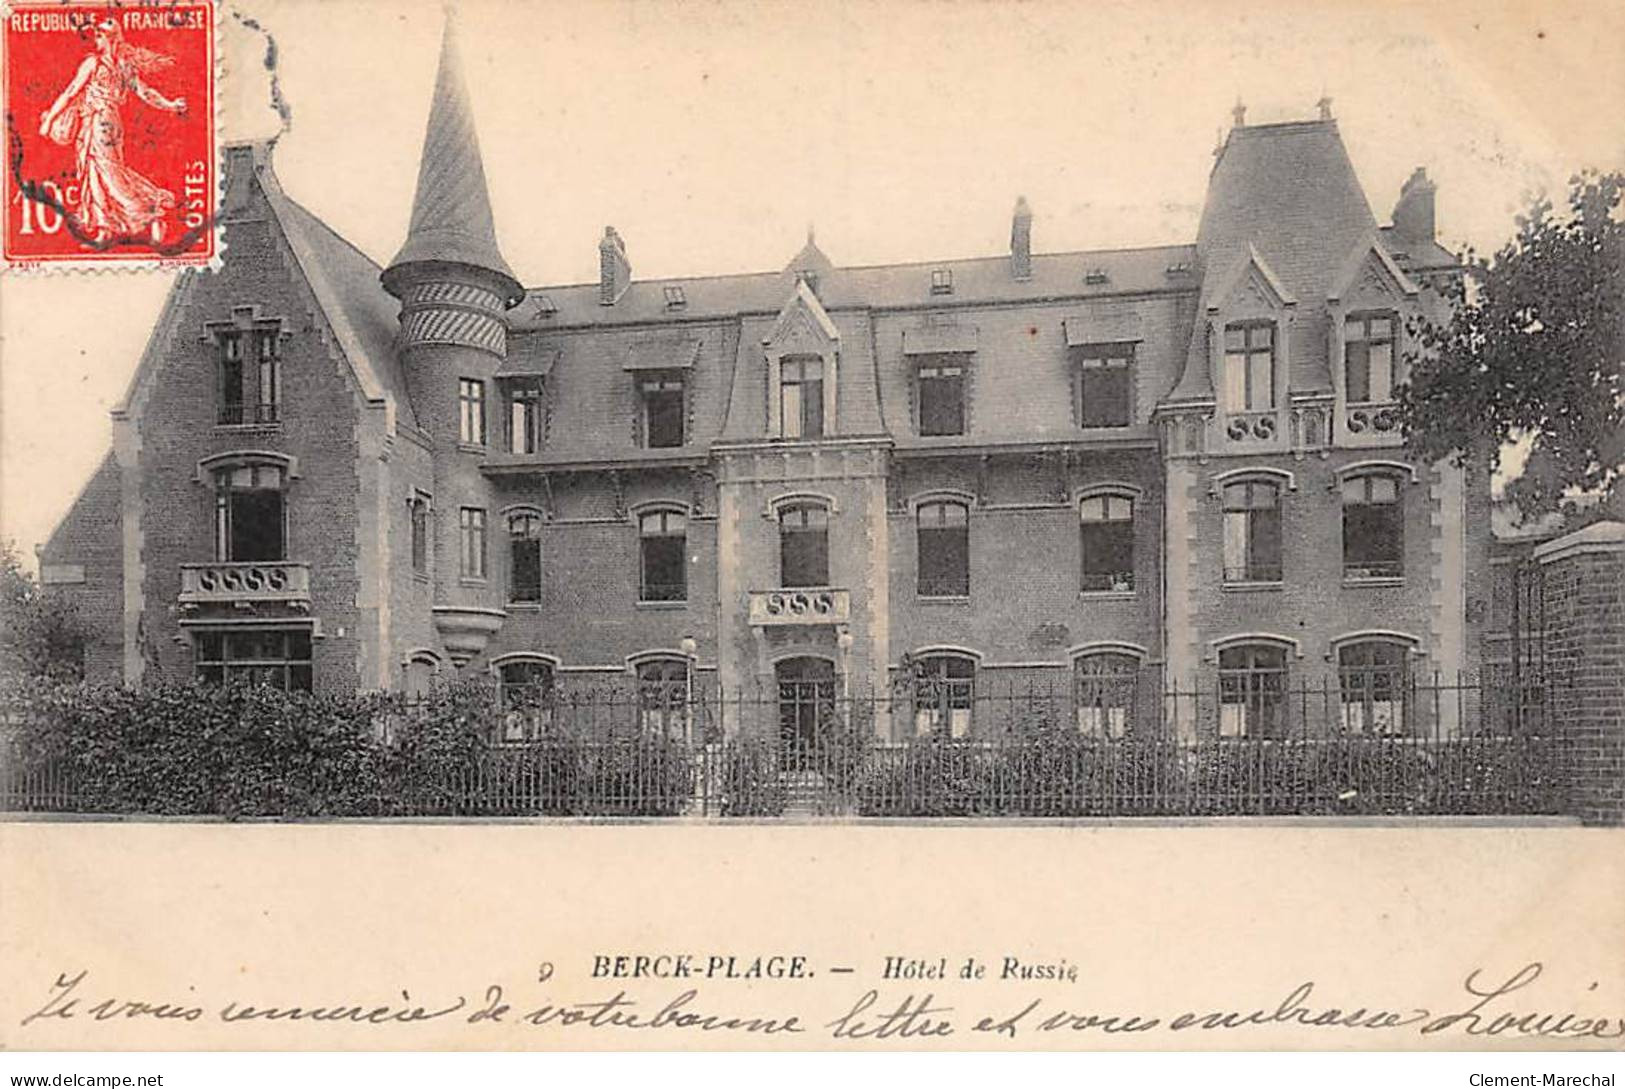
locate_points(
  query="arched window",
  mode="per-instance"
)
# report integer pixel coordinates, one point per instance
(1252, 690)
(1252, 531)
(803, 545)
(663, 697)
(943, 549)
(249, 513)
(1373, 527)
(1104, 685)
(420, 672)
(944, 694)
(663, 556)
(527, 698)
(1106, 538)
(524, 556)
(1374, 682)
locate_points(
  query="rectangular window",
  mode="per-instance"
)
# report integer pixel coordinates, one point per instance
(276, 657)
(1104, 395)
(1374, 683)
(942, 398)
(803, 546)
(801, 397)
(1373, 528)
(663, 409)
(944, 550)
(1252, 691)
(663, 554)
(249, 516)
(1368, 358)
(1104, 687)
(250, 377)
(942, 281)
(944, 695)
(524, 417)
(1107, 542)
(663, 695)
(419, 512)
(1252, 532)
(1249, 366)
(471, 524)
(524, 557)
(471, 411)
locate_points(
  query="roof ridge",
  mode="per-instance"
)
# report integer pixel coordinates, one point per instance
(767, 274)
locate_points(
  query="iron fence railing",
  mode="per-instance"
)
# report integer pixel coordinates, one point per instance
(1101, 748)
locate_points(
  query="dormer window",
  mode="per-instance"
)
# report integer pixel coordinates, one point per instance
(250, 376)
(675, 299)
(524, 415)
(942, 395)
(545, 308)
(1104, 385)
(1368, 357)
(661, 394)
(942, 281)
(1249, 366)
(1096, 276)
(801, 397)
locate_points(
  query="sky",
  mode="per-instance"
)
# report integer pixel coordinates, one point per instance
(712, 135)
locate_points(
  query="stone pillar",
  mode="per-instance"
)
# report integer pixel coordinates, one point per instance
(1583, 577)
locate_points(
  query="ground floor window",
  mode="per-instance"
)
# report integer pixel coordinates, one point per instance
(1103, 687)
(527, 699)
(1252, 690)
(663, 694)
(1374, 681)
(944, 694)
(278, 657)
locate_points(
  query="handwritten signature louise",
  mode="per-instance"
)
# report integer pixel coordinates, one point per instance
(1488, 1009)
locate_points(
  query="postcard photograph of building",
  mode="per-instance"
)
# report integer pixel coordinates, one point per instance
(1116, 530)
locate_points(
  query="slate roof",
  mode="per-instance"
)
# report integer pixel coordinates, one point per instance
(451, 210)
(362, 315)
(1289, 192)
(977, 280)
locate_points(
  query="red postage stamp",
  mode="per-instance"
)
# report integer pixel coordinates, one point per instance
(110, 134)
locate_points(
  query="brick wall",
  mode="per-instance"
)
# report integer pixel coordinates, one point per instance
(89, 539)
(178, 428)
(1584, 575)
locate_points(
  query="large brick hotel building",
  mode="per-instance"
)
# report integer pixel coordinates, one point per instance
(1051, 468)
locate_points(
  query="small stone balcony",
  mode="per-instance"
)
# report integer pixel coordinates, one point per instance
(801, 606)
(268, 582)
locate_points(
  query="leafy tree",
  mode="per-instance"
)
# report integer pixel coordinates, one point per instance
(40, 635)
(1533, 349)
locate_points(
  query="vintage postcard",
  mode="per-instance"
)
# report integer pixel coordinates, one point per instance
(732, 526)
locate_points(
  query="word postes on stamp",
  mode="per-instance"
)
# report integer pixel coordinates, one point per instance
(110, 134)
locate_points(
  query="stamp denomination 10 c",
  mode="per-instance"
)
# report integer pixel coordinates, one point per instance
(110, 134)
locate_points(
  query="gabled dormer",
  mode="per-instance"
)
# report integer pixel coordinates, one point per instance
(1367, 306)
(1249, 314)
(802, 357)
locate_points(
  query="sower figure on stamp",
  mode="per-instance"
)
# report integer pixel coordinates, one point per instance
(115, 200)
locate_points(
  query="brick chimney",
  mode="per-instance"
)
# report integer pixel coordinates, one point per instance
(1413, 215)
(1021, 241)
(614, 270)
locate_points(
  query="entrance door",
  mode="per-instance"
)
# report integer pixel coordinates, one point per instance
(806, 702)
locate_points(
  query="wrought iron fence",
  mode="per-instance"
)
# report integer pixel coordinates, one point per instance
(1101, 747)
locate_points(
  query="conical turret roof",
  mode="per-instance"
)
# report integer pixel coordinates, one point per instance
(451, 213)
